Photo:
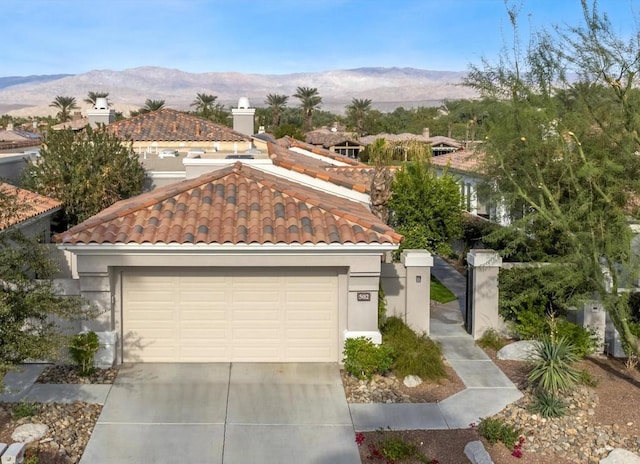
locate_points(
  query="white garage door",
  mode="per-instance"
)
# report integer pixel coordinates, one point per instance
(191, 317)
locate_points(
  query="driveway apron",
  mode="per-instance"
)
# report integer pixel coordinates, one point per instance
(225, 413)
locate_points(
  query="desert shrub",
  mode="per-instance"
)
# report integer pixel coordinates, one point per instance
(492, 339)
(497, 430)
(395, 449)
(552, 369)
(585, 378)
(362, 358)
(584, 341)
(24, 409)
(548, 404)
(82, 349)
(415, 354)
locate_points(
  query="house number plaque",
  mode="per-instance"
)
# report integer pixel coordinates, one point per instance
(364, 296)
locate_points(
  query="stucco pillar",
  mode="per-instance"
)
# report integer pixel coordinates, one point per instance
(362, 313)
(418, 264)
(484, 266)
(95, 288)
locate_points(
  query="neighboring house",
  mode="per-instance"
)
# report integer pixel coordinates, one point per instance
(77, 123)
(343, 143)
(171, 129)
(243, 263)
(466, 166)
(32, 215)
(440, 145)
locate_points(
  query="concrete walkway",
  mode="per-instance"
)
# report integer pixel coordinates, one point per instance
(487, 392)
(248, 420)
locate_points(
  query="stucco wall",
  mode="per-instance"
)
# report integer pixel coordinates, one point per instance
(100, 277)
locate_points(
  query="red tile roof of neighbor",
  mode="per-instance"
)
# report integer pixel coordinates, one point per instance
(356, 175)
(236, 204)
(171, 125)
(463, 160)
(28, 205)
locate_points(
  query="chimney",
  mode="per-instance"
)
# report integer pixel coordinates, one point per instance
(100, 113)
(77, 115)
(425, 133)
(243, 117)
(10, 126)
(197, 129)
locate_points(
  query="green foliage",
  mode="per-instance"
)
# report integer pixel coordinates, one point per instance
(497, 430)
(548, 404)
(425, 208)
(289, 130)
(552, 370)
(491, 339)
(82, 349)
(562, 152)
(24, 409)
(87, 172)
(362, 358)
(585, 378)
(439, 292)
(29, 306)
(415, 354)
(395, 449)
(584, 341)
(382, 307)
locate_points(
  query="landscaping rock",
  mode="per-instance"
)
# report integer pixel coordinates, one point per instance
(476, 453)
(621, 456)
(412, 381)
(521, 350)
(29, 432)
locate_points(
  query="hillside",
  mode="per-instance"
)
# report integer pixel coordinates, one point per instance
(386, 87)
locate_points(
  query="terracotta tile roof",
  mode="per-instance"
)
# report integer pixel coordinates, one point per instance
(31, 204)
(233, 205)
(436, 140)
(297, 162)
(463, 160)
(328, 138)
(171, 125)
(330, 155)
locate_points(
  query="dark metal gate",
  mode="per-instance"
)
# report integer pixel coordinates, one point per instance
(468, 307)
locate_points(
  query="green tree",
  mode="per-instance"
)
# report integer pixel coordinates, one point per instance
(149, 106)
(276, 103)
(29, 306)
(425, 208)
(310, 100)
(87, 172)
(204, 104)
(565, 151)
(92, 97)
(64, 105)
(289, 130)
(357, 112)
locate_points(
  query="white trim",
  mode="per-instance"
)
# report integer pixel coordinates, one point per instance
(318, 184)
(227, 248)
(166, 174)
(326, 159)
(221, 162)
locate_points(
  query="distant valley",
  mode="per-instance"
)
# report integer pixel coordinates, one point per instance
(388, 88)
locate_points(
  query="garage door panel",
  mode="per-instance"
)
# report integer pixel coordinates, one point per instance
(189, 317)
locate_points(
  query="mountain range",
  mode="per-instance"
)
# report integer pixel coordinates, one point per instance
(388, 88)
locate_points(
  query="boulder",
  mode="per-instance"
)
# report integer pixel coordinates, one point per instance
(412, 381)
(29, 432)
(477, 454)
(521, 350)
(621, 456)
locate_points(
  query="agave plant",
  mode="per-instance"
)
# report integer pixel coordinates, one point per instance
(553, 369)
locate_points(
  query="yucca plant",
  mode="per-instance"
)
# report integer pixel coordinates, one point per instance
(553, 370)
(548, 405)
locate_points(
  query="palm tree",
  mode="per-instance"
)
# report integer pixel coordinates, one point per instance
(64, 105)
(277, 104)
(149, 106)
(93, 96)
(357, 112)
(309, 100)
(205, 104)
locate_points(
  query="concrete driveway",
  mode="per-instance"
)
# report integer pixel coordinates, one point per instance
(225, 413)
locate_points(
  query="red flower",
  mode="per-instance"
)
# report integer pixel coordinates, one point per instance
(359, 438)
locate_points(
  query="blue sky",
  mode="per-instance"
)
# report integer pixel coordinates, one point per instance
(270, 36)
